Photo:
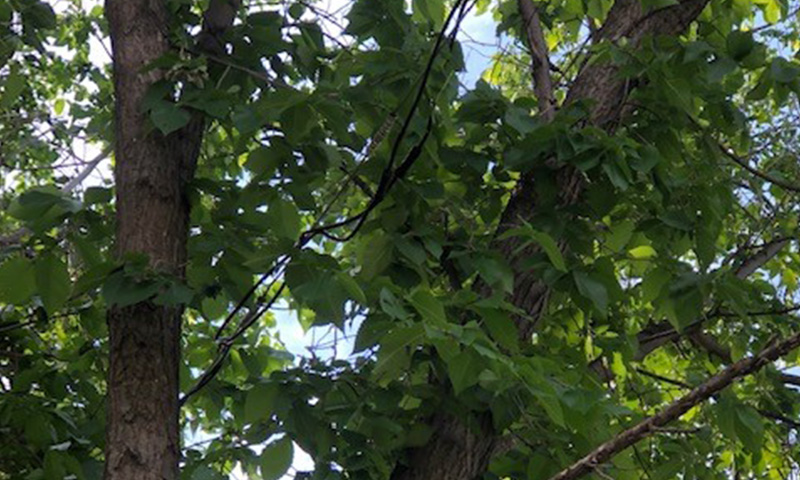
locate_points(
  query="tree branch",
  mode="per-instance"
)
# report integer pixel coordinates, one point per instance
(711, 345)
(676, 409)
(750, 265)
(758, 173)
(15, 237)
(78, 179)
(540, 61)
(657, 335)
(781, 418)
(790, 379)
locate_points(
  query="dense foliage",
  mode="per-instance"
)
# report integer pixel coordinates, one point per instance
(347, 175)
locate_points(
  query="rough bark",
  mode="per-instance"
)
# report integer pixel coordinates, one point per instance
(455, 452)
(151, 172)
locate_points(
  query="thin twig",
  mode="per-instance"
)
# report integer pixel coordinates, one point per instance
(758, 173)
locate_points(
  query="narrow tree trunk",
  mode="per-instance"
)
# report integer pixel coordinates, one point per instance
(142, 438)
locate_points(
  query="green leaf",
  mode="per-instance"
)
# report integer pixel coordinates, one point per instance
(772, 11)
(298, 121)
(38, 430)
(52, 282)
(496, 271)
(352, 287)
(430, 10)
(782, 71)
(647, 158)
(284, 219)
(97, 195)
(265, 160)
(58, 106)
(616, 174)
(411, 250)
(12, 88)
(428, 306)
(375, 254)
(39, 15)
(395, 351)
(296, 11)
(684, 308)
(544, 240)
(214, 307)
(276, 459)
(312, 280)
(501, 328)
(592, 289)
(739, 44)
(203, 472)
(653, 283)
(551, 249)
(41, 207)
(176, 293)
(53, 465)
(705, 242)
(644, 252)
(620, 235)
(260, 402)
(464, 369)
(749, 428)
(122, 290)
(17, 281)
(541, 388)
(168, 117)
(391, 305)
(520, 119)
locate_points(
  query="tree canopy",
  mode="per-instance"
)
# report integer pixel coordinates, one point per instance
(583, 265)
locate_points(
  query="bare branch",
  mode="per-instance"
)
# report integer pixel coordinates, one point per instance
(711, 345)
(14, 238)
(676, 409)
(758, 260)
(790, 379)
(758, 173)
(781, 418)
(90, 167)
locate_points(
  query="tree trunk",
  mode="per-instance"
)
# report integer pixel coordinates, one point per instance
(142, 437)
(456, 452)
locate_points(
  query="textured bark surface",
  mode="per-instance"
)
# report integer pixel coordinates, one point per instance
(142, 438)
(455, 452)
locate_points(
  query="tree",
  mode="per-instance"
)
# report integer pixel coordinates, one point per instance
(590, 248)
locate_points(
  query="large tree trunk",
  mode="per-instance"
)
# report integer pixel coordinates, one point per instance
(142, 437)
(456, 452)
